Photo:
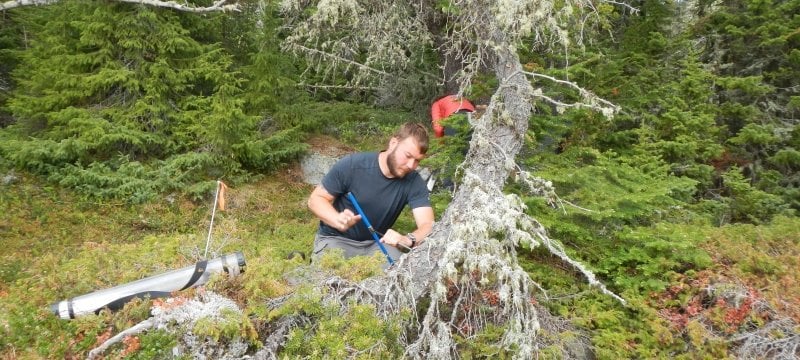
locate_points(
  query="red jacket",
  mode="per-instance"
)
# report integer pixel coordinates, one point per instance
(445, 107)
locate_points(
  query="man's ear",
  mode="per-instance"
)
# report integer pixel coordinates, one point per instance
(392, 143)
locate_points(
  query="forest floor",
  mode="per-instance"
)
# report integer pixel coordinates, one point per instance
(57, 246)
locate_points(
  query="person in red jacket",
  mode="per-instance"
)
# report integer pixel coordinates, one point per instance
(445, 106)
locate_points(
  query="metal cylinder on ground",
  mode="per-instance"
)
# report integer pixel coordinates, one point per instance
(155, 286)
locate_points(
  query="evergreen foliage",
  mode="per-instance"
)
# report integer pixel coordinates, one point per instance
(752, 48)
(128, 101)
(446, 154)
(611, 214)
(704, 140)
(684, 108)
(9, 42)
(358, 334)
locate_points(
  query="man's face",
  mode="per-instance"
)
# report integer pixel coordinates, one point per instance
(403, 156)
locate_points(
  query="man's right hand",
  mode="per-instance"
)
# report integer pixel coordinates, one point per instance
(321, 204)
(345, 220)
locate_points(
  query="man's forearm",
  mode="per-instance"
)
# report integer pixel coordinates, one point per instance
(423, 217)
(321, 205)
(322, 209)
(422, 232)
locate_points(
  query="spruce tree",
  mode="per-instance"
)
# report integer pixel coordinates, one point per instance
(753, 48)
(125, 100)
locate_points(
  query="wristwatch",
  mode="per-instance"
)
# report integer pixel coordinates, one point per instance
(413, 239)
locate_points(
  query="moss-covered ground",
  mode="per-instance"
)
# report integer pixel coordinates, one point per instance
(57, 246)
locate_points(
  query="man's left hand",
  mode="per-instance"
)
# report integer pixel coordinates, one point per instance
(396, 239)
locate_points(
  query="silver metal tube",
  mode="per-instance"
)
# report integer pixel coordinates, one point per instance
(155, 286)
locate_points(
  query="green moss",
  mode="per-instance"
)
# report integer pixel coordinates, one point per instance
(484, 345)
(358, 333)
(305, 301)
(155, 344)
(232, 325)
(356, 268)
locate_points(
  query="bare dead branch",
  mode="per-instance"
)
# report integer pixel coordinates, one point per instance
(134, 330)
(219, 5)
(775, 340)
(590, 100)
(338, 87)
(335, 58)
(632, 9)
(17, 3)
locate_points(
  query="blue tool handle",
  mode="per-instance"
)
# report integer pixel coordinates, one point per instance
(369, 226)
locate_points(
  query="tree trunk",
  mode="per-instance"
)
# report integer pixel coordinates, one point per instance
(497, 138)
(469, 261)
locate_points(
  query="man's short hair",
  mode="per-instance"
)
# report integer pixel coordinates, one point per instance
(415, 130)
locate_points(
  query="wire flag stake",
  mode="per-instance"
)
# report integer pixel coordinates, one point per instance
(219, 199)
(369, 227)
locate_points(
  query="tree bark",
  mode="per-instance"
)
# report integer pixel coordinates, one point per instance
(494, 144)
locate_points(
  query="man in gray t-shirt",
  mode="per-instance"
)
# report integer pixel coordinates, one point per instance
(382, 183)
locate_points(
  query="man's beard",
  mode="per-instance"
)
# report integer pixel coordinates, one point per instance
(393, 168)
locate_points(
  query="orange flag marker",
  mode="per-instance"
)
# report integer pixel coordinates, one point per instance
(221, 195)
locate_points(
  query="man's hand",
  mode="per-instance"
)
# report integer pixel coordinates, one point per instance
(321, 204)
(345, 220)
(396, 239)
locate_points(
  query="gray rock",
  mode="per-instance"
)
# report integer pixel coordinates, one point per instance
(315, 166)
(10, 178)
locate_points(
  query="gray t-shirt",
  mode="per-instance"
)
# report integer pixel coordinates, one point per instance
(382, 199)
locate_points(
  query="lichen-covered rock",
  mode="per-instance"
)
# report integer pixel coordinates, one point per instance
(187, 316)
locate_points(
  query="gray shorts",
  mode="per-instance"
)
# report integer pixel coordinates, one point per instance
(351, 247)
